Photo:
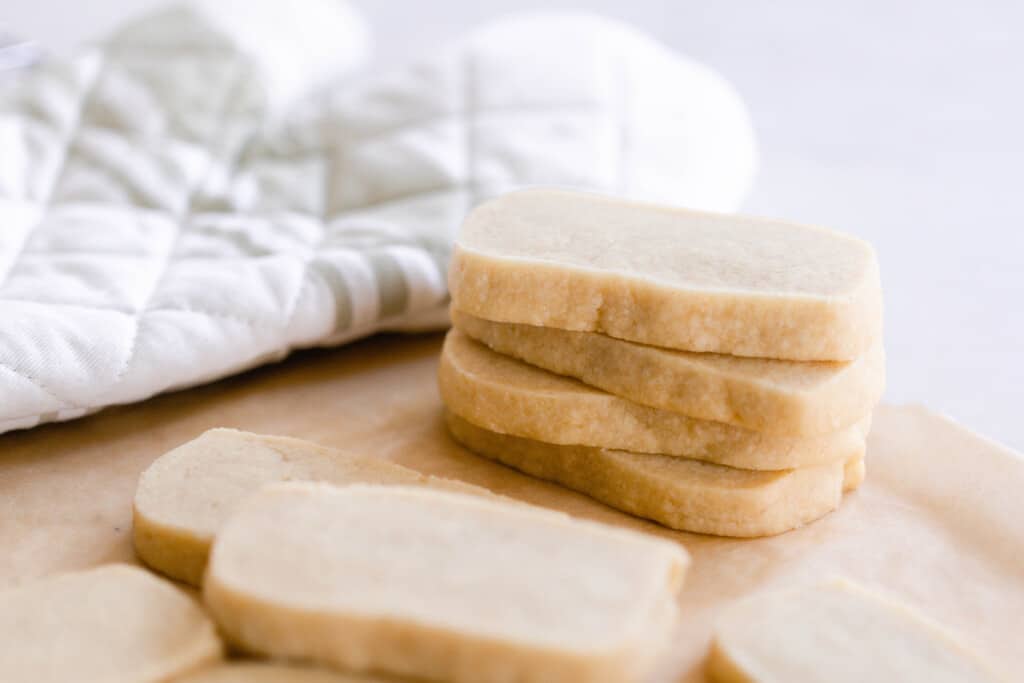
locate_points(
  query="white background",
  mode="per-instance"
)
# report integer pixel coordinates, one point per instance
(899, 121)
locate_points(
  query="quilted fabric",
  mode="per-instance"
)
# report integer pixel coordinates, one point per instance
(211, 187)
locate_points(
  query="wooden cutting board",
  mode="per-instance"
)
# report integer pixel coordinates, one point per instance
(939, 522)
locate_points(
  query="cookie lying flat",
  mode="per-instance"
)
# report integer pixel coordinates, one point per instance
(252, 672)
(440, 585)
(838, 632)
(781, 397)
(682, 494)
(668, 277)
(505, 395)
(184, 497)
(112, 623)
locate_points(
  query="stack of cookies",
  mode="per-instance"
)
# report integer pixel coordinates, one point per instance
(713, 373)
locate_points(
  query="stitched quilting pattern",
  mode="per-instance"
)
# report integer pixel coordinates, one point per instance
(164, 221)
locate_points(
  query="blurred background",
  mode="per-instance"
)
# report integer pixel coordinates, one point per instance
(900, 122)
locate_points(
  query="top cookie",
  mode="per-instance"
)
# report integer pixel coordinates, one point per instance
(668, 277)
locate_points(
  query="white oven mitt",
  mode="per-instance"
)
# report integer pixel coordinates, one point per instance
(212, 187)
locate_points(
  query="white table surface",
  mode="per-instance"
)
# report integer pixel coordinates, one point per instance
(900, 122)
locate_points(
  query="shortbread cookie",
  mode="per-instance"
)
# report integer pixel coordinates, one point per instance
(668, 277)
(441, 586)
(113, 623)
(253, 672)
(837, 632)
(682, 494)
(184, 497)
(781, 397)
(502, 394)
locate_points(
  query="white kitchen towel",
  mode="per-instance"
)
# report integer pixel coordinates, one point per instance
(213, 186)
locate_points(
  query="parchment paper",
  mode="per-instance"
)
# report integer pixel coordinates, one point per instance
(939, 522)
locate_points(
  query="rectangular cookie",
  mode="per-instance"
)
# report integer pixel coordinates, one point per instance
(505, 395)
(109, 623)
(441, 586)
(185, 496)
(840, 632)
(781, 397)
(687, 495)
(668, 277)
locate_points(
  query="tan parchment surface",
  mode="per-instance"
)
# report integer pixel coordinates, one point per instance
(939, 522)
